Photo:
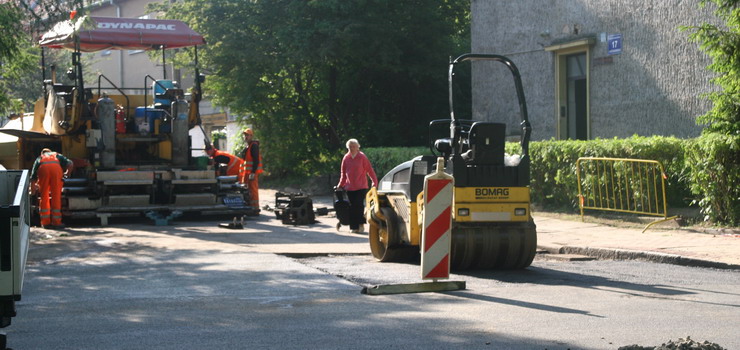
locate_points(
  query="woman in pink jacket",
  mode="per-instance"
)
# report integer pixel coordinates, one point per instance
(356, 169)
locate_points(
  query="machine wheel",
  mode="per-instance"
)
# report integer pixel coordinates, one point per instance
(529, 246)
(383, 236)
(463, 252)
(494, 247)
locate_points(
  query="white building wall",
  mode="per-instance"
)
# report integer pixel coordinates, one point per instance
(651, 88)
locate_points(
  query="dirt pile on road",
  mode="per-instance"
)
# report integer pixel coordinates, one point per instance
(680, 344)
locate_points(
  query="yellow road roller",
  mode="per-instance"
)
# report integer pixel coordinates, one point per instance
(492, 226)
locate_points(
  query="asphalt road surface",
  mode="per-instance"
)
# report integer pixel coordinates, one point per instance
(193, 285)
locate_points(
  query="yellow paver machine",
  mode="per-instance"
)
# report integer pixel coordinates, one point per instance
(131, 145)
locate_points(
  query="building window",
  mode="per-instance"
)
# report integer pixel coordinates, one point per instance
(105, 53)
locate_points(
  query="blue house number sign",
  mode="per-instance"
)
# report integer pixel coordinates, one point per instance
(614, 42)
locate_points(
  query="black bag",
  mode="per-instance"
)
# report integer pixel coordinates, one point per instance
(341, 207)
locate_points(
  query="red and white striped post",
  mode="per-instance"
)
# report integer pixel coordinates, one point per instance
(436, 234)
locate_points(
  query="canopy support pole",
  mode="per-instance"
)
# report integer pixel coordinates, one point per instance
(43, 74)
(164, 63)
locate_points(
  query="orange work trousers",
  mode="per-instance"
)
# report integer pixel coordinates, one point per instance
(254, 193)
(50, 183)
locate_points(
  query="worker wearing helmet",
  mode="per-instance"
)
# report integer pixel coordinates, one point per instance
(233, 163)
(252, 167)
(47, 175)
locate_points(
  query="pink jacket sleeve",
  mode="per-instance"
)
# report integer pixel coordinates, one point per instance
(342, 174)
(369, 170)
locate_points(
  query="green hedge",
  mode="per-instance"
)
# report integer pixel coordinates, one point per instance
(703, 171)
(714, 163)
(384, 159)
(553, 179)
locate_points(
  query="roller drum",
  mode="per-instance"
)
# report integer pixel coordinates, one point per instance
(511, 246)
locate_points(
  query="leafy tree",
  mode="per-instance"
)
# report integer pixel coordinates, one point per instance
(715, 156)
(311, 74)
(721, 43)
(40, 15)
(10, 49)
(20, 22)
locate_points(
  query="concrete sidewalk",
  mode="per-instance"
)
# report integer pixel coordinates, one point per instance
(672, 246)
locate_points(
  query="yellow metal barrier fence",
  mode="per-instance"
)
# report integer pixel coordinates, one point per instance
(623, 185)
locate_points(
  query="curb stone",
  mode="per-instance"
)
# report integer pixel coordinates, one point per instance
(625, 254)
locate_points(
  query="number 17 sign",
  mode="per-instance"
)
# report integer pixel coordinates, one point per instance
(614, 43)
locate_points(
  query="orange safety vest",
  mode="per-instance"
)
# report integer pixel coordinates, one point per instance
(235, 163)
(249, 162)
(49, 158)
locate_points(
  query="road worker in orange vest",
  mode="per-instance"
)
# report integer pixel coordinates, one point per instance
(47, 176)
(252, 168)
(233, 163)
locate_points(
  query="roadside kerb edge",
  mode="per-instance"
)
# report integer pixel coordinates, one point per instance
(626, 254)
